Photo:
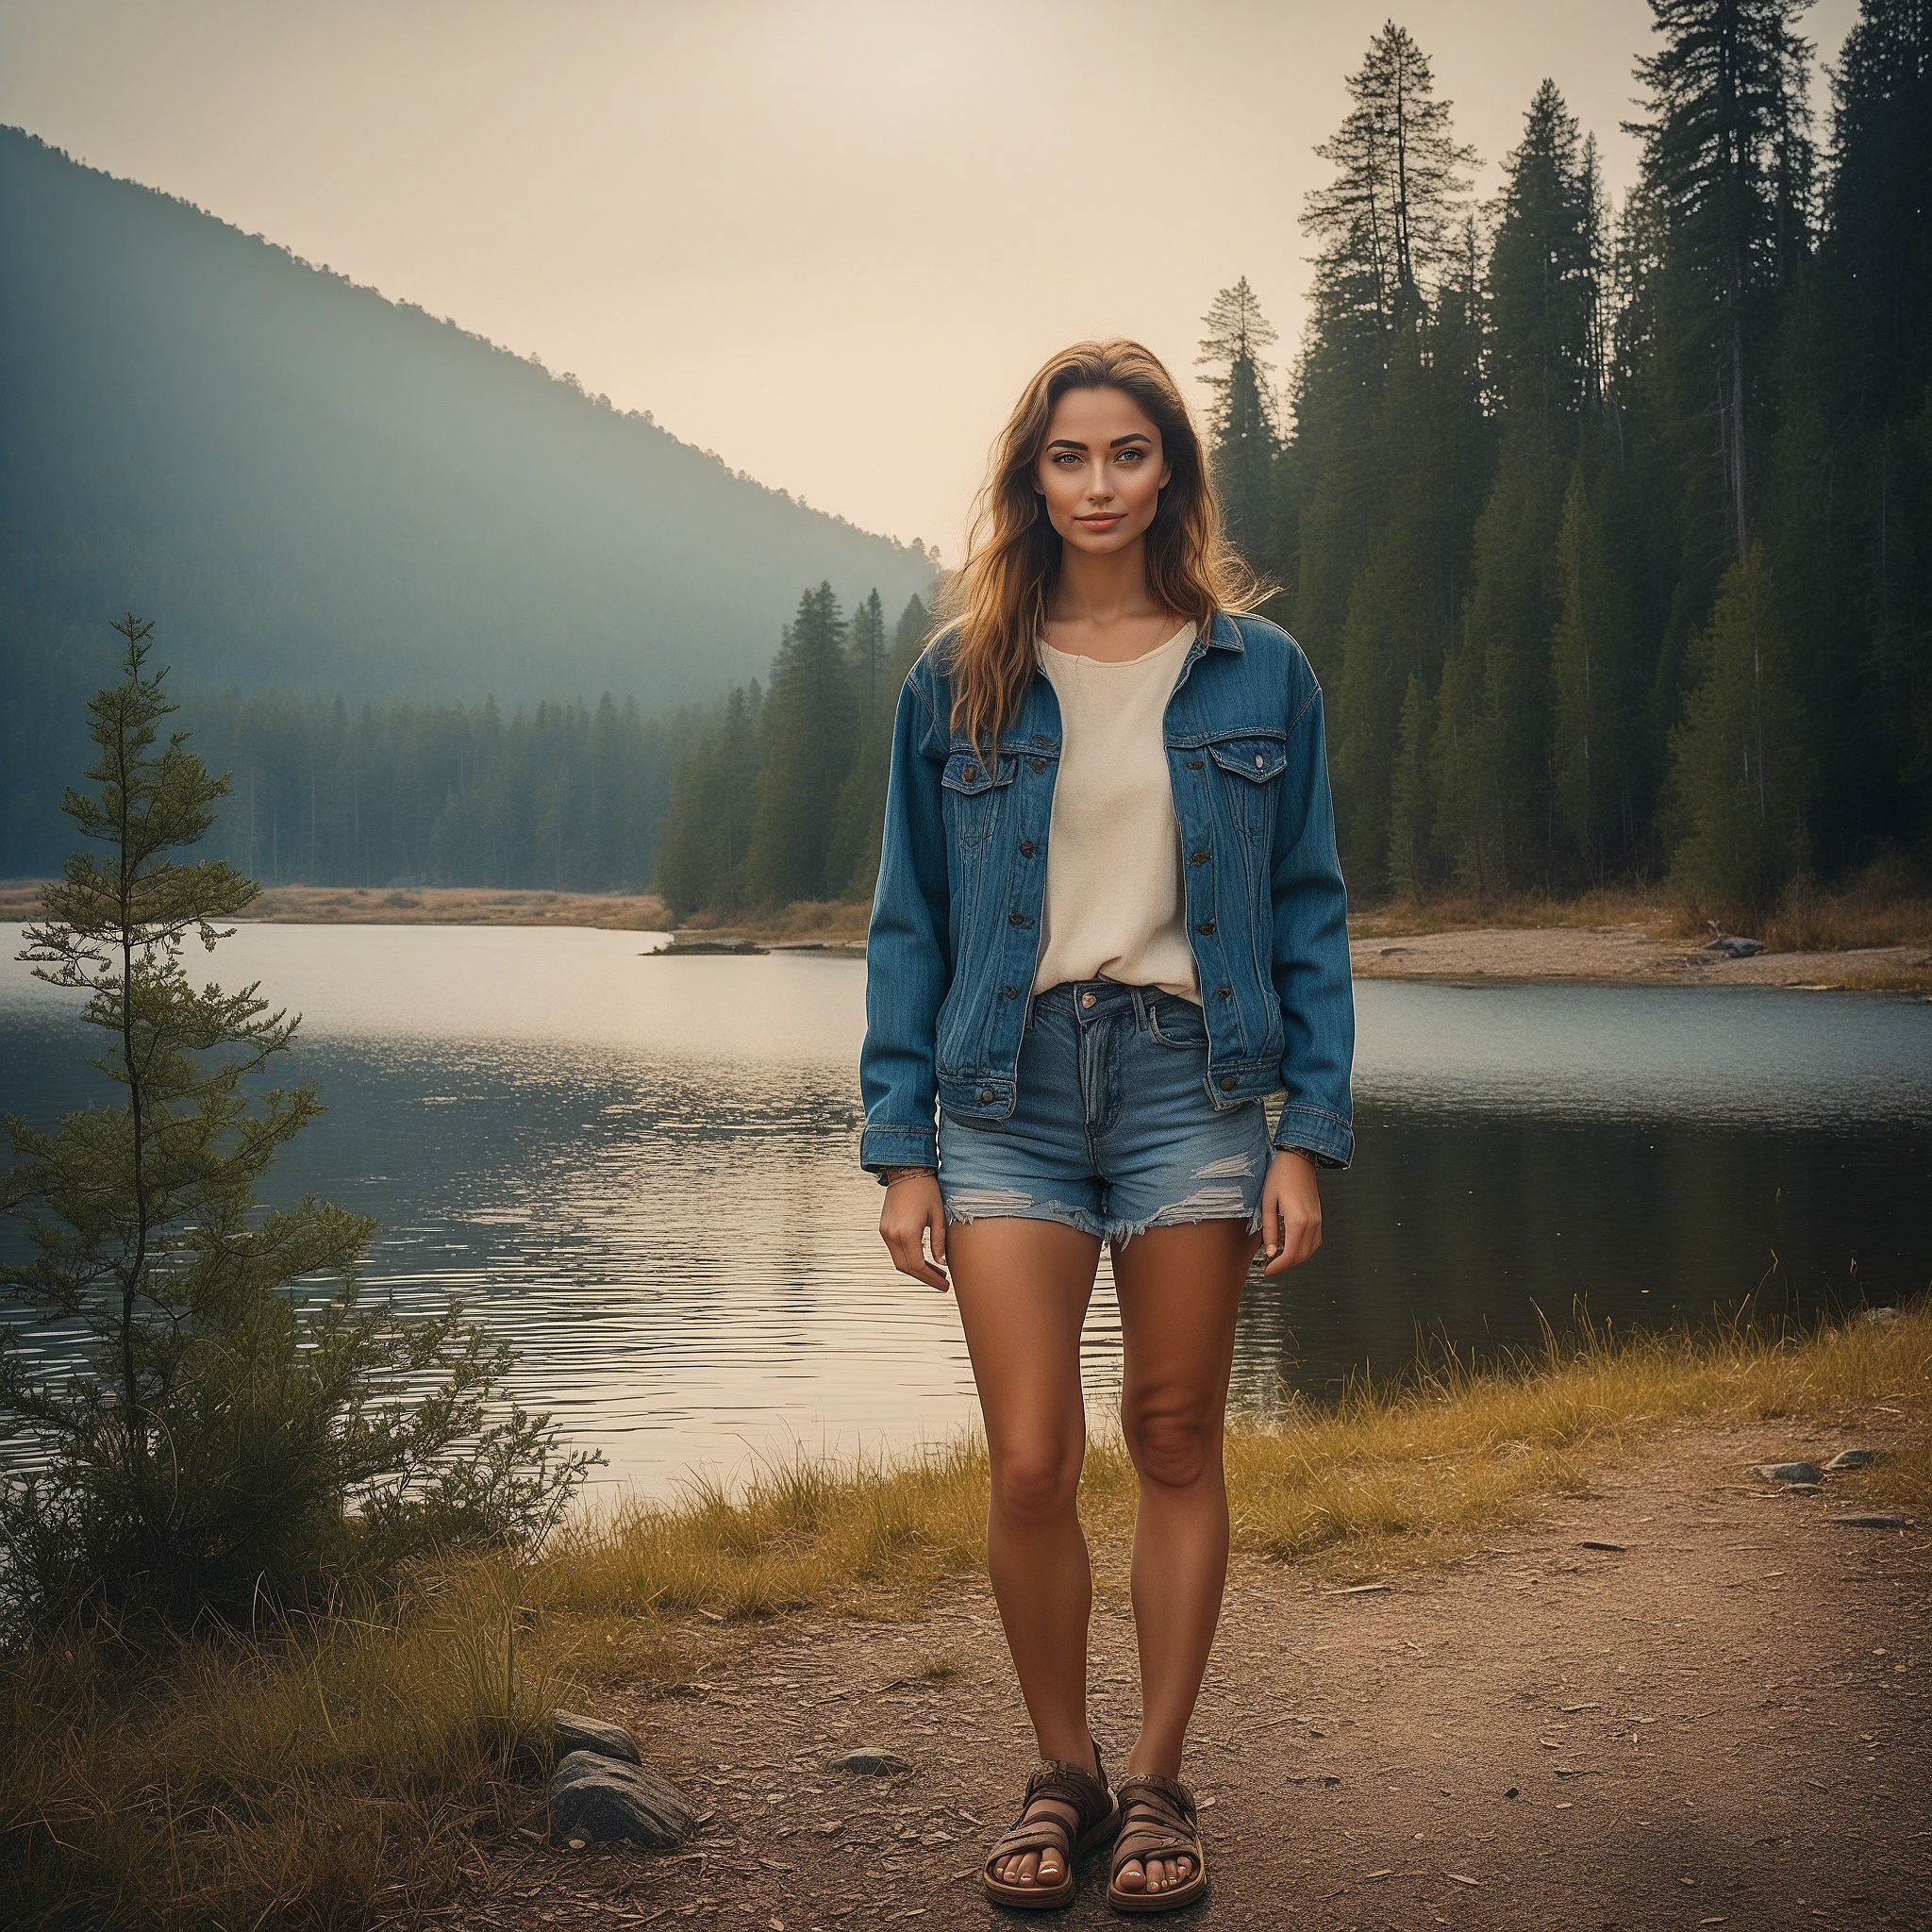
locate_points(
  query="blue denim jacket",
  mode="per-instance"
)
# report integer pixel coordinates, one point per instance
(955, 919)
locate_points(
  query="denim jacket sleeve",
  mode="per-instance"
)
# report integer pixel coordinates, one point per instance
(908, 952)
(1311, 955)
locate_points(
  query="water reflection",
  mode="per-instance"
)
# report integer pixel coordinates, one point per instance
(643, 1173)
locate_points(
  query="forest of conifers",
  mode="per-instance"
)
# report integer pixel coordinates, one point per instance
(1607, 534)
(1606, 531)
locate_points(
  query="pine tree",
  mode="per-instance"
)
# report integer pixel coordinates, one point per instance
(1390, 220)
(868, 649)
(1727, 167)
(1389, 230)
(811, 718)
(1544, 271)
(1741, 775)
(708, 819)
(237, 1425)
(1242, 434)
(1494, 798)
(853, 862)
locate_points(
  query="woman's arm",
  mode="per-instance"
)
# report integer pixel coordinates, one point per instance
(909, 962)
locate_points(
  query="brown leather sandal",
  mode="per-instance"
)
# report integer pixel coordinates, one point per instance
(1159, 1822)
(1097, 1818)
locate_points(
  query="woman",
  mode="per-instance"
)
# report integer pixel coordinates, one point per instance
(1108, 925)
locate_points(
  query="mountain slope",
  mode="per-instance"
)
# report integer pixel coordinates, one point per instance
(312, 487)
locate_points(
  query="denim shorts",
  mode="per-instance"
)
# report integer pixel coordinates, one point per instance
(1114, 1127)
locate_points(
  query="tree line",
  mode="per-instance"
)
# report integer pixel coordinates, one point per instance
(565, 796)
(783, 797)
(1606, 531)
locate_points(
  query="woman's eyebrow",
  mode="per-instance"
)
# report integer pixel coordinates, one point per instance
(1132, 436)
(1065, 443)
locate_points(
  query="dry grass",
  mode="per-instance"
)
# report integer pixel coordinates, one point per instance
(1474, 912)
(457, 906)
(805, 923)
(331, 1774)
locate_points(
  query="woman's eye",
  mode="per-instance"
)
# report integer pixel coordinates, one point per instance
(1132, 456)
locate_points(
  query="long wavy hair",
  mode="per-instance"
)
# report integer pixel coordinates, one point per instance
(996, 606)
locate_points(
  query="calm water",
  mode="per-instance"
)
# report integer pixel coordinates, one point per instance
(643, 1173)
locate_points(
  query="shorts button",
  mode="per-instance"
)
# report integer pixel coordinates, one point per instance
(1025, 848)
(1227, 1083)
(1205, 925)
(986, 1097)
(1086, 999)
(1198, 858)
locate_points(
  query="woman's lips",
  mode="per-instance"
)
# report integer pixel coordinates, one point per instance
(1102, 522)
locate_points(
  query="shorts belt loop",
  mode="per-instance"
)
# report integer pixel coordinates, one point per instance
(1139, 1007)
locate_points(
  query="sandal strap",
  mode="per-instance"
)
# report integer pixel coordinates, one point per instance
(1072, 1785)
(1160, 1820)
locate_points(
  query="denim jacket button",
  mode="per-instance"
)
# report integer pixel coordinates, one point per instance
(970, 773)
(1016, 919)
(1205, 925)
(1195, 764)
(1037, 764)
(1198, 858)
(1025, 848)
(1223, 992)
(1227, 1083)
(1012, 993)
(986, 1097)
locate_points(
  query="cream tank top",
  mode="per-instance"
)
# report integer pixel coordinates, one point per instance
(1114, 908)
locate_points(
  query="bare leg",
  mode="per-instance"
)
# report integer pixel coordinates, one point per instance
(1023, 1288)
(1180, 1291)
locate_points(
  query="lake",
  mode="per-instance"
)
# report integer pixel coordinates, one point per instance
(644, 1172)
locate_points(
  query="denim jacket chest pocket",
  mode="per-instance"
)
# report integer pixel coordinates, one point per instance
(1247, 769)
(971, 790)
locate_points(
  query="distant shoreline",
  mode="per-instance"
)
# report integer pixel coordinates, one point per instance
(1630, 952)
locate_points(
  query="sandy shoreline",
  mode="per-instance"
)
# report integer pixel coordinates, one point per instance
(1636, 953)
(1632, 954)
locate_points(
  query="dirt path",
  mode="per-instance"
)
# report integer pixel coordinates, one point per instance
(1724, 1722)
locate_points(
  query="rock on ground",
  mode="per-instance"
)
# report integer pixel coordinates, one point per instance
(603, 1799)
(576, 1732)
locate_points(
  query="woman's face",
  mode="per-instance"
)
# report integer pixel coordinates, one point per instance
(1100, 469)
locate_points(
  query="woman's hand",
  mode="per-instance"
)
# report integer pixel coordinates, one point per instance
(1290, 1211)
(912, 1211)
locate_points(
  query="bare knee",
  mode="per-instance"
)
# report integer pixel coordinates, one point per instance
(1035, 1482)
(1175, 1448)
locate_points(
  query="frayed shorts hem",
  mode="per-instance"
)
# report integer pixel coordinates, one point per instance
(997, 1203)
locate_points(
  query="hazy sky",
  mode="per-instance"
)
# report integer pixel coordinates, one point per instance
(827, 239)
